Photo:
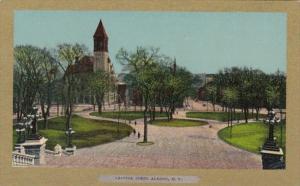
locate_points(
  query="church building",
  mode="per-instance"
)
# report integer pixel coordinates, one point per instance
(100, 60)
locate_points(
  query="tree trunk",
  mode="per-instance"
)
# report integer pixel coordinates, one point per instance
(246, 114)
(18, 105)
(257, 113)
(57, 108)
(231, 115)
(68, 123)
(145, 120)
(153, 113)
(108, 101)
(228, 116)
(234, 113)
(45, 121)
(99, 99)
(150, 115)
(69, 115)
(99, 108)
(167, 113)
(47, 114)
(69, 100)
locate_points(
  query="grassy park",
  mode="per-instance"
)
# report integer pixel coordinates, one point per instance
(250, 136)
(219, 116)
(88, 132)
(178, 123)
(130, 115)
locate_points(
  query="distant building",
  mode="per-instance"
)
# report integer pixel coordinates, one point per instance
(100, 60)
(207, 79)
(121, 92)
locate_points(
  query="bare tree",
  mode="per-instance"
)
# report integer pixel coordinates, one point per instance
(46, 90)
(68, 54)
(140, 64)
(28, 76)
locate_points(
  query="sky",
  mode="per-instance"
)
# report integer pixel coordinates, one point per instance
(203, 42)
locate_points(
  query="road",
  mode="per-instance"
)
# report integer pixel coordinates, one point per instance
(174, 147)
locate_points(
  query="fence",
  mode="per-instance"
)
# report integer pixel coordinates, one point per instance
(19, 159)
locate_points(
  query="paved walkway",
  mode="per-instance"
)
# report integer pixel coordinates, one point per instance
(186, 147)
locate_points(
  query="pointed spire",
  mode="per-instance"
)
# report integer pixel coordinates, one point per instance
(100, 31)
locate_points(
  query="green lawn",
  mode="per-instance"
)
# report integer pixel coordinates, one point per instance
(130, 115)
(220, 116)
(178, 123)
(250, 136)
(88, 132)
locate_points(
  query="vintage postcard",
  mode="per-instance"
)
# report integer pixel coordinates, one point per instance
(147, 90)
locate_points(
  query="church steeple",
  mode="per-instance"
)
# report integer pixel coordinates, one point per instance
(100, 39)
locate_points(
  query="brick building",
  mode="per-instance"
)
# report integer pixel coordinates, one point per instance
(100, 60)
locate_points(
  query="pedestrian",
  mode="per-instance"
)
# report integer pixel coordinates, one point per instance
(139, 135)
(134, 132)
(134, 122)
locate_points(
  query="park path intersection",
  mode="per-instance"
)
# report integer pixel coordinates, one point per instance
(174, 147)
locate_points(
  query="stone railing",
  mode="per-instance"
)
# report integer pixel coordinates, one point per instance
(19, 159)
(54, 153)
(50, 152)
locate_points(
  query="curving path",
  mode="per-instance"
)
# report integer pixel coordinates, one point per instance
(186, 147)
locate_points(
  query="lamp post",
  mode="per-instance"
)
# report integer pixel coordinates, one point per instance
(271, 152)
(271, 142)
(27, 123)
(69, 134)
(33, 124)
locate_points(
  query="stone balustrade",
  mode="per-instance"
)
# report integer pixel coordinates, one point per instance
(54, 153)
(20, 159)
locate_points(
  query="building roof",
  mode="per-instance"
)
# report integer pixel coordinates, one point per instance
(85, 64)
(100, 31)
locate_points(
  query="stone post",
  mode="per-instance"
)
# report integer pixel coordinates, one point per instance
(35, 147)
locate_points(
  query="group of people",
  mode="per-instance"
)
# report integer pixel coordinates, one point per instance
(138, 134)
(134, 131)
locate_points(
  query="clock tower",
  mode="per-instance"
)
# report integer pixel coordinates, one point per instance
(101, 49)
